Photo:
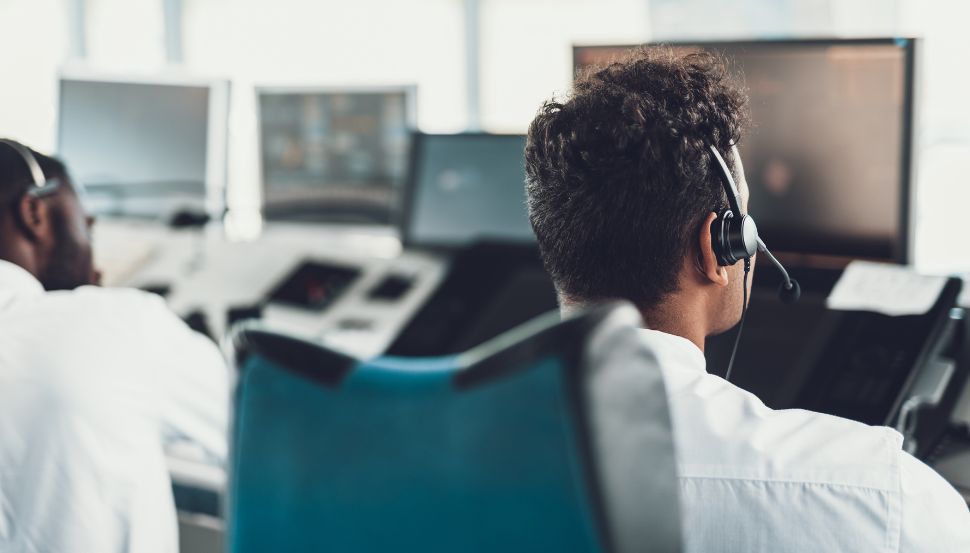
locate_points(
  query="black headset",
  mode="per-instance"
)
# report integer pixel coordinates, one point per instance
(734, 237)
(42, 186)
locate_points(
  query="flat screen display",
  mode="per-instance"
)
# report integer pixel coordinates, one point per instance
(139, 148)
(467, 188)
(334, 155)
(827, 159)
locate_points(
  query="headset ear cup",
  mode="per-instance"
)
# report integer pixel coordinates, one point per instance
(733, 239)
(747, 239)
(719, 239)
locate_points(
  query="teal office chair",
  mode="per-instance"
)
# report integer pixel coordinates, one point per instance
(554, 437)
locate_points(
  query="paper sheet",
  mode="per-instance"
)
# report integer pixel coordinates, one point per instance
(888, 289)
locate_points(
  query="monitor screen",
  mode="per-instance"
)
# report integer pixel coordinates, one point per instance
(141, 148)
(827, 158)
(467, 187)
(334, 155)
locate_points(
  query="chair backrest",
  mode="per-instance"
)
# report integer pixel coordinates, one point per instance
(553, 437)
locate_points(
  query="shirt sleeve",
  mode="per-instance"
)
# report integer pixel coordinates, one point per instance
(935, 517)
(194, 399)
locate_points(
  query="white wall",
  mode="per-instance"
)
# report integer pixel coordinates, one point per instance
(33, 44)
(125, 36)
(526, 50)
(943, 184)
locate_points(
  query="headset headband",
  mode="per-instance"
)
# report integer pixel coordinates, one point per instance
(42, 185)
(731, 189)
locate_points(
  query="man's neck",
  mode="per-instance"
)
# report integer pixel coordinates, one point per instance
(676, 316)
(689, 324)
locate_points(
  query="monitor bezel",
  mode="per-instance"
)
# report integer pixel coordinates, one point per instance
(902, 249)
(217, 126)
(411, 116)
(410, 192)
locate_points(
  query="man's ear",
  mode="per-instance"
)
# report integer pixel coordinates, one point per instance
(33, 215)
(707, 261)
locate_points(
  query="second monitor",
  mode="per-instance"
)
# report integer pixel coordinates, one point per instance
(465, 188)
(334, 154)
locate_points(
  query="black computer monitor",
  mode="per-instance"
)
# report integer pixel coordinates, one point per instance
(828, 158)
(465, 188)
(145, 148)
(334, 154)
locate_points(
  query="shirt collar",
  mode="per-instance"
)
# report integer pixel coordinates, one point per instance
(674, 351)
(15, 280)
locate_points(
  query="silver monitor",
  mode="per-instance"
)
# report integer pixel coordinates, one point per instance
(334, 154)
(145, 148)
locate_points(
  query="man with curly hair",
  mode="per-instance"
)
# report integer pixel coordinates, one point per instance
(622, 193)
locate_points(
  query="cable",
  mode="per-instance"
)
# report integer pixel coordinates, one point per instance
(744, 311)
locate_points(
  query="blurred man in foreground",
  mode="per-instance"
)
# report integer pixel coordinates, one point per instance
(94, 382)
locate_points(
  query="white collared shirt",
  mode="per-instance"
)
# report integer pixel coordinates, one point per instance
(753, 479)
(93, 383)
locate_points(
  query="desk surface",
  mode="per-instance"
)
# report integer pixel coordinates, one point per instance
(206, 273)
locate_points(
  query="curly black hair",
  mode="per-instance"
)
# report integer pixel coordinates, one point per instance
(619, 175)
